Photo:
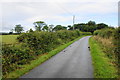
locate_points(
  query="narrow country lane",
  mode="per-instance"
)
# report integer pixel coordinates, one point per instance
(73, 62)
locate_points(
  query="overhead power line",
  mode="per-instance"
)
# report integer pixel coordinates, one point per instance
(67, 11)
(64, 9)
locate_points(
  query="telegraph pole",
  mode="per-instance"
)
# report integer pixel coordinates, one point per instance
(73, 21)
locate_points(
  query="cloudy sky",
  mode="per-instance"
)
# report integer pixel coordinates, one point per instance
(55, 12)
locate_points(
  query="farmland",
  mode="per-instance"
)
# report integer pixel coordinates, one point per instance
(8, 39)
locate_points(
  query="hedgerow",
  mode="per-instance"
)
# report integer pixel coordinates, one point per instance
(116, 41)
(114, 35)
(32, 44)
(105, 33)
(110, 39)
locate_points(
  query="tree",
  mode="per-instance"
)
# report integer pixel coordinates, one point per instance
(50, 28)
(91, 23)
(30, 30)
(81, 26)
(90, 29)
(45, 28)
(39, 25)
(86, 27)
(101, 26)
(91, 26)
(59, 27)
(18, 28)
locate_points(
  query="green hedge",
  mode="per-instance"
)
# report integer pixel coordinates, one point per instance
(105, 33)
(116, 41)
(85, 33)
(31, 45)
(111, 33)
(115, 35)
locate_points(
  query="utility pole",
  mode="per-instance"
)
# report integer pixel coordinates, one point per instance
(73, 21)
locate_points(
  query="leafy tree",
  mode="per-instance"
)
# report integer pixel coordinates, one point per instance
(101, 26)
(45, 28)
(30, 30)
(91, 26)
(59, 27)
(18, 28)
(86, 27)
(39, 25)
(91, 23)
(90, 29)
(81, 26)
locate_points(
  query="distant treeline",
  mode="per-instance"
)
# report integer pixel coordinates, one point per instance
(90, 26)
(9, 33)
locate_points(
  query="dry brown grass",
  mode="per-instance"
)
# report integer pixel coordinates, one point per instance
(105, 41)
(107, 47)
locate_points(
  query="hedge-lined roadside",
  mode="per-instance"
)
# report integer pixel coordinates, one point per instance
(113, 35)
(40, 59)
(30, 46)
(110, 42)
(103, 68)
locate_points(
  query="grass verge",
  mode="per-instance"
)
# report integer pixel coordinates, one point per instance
(102, 66)
(42, 58)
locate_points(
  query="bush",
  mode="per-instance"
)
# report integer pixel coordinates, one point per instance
(13, 56)
(105, 33)
(42, 41)
(116, 41)
(85, 33)
(31, 45)
(96, 32)
(112, 35)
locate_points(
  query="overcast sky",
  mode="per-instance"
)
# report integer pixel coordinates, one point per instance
(56, 12)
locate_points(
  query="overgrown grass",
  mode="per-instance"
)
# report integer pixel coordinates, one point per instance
(8, 39)
(102, 66)
(42, 58)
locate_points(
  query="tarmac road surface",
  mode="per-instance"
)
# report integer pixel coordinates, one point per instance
(73, 62)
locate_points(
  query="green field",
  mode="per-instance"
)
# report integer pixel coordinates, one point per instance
(8, 39)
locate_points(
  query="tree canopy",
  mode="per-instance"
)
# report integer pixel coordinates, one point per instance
(18, 28)
(59, 27)
(39, 25)
(91, 26)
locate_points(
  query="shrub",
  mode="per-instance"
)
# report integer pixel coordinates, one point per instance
(112, 36)
(31, 45)
(105, 33)
(13, 56)
(116, 41)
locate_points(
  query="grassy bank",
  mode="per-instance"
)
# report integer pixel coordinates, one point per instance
(103, 68)
(42, 58)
